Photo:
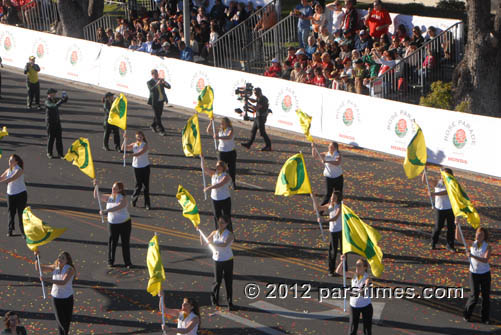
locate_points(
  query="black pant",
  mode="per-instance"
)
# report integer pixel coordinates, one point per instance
(259, 123)
(332, 184)
(366, 318)
(223, 270)
(55, 134)
(442, 216)
(223, 208)
(158, 109)
(16, 205)
(336, 240)
(230, 158)
(479, 283)
(64, 311)
(121, 230)
(33, 93)
(108, 129)
(142, 179)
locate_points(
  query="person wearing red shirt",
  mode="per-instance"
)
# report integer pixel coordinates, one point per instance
(275, 69)
(319, 79)
(378, 20)
(310, 76)
(291, 55)
(326, 62)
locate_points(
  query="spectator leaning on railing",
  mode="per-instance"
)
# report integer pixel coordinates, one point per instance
(305, 13)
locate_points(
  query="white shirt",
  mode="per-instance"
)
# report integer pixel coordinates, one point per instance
(142, 160)
(476, 266)
(16, 186)
(62, 291)
(119, 216)
(337, 20)
(332, 171)
(442, 202)
(360, 300)
(335, 226)
(225, 145)
(222, 192)
(183, 323)
(222, 254)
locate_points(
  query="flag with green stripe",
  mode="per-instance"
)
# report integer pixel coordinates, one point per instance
(416, 157)
(205, 101)
(305, 123)
(192, 145)
(190, 208)
(79, 153)
(118, 112)
(293, 177)
(155, 267)
(37, 232)
(460, 202)
(362, 239)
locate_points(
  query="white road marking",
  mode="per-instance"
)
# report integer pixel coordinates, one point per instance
(289, 314)
(377, 307)
(249, 185)
(249, 323)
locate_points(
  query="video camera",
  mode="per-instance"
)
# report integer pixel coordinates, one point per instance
(244, 93)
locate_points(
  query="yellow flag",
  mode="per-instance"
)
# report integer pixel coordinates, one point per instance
(416, 157)
(79, 153)
(305, 122)
(155, 267)
(118, 112)
(192, 145)
(3, 132)
(205, 101)
(37, 232)
(362, 239)
(293, 178)
(461, 204)
(190, 208)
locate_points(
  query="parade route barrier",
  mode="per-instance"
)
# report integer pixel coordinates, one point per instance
(458, 140)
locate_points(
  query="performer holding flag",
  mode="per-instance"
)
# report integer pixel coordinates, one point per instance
(141, 165)
(333, 172)
(17, 196)
(109, 127)
(192, 144)
(118, 117)
(204, 105)
(188, 317)
(156, 271)
(226, 148)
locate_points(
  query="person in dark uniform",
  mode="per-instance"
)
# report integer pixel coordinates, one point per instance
(261, 110)
(157, 99)
(32, 83)
(109, 128)
(53, 122)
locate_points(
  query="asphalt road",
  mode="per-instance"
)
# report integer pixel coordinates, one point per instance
(278, 238)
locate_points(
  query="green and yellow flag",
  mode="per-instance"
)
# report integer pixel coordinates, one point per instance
(416, 157)
(190, 208)
(192, 145)
(293, 178)
(3, 133)
(118, 112)
(362, 239)
(79, 153)
(155, 267)
(37, 232)
(305, 122)
(461, 204)
(205, 101)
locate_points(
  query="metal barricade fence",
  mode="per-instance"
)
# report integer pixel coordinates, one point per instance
(412, 77)
(105, 22)
(229, 51)
(41, 15)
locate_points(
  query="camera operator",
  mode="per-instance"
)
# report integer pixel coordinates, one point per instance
(53, 122)
(32, 83)
(261, 110)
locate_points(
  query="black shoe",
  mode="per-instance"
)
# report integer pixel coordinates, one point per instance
(148, 207)
(331, 274)
(106, 148)
(129, 266)
(266, 149)
(133, 203)
(451, 249)
(162, 133)
(49, 156)
(213, 300)
(111, 265)
(231, 307)
(154, 129)
(246, 145)
(28, 106)
(118, 149)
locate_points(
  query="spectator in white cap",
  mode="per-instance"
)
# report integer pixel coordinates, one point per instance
(275, 70)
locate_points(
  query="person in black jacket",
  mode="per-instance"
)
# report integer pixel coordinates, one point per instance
(53, 122)
(157, 99)
(261, 110)
(109, 128)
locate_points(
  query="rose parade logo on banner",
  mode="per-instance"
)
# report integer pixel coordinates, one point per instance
(401, 126)
(286, 101)
(41, 51)
(74, 58)
(122, 71)
(348, 114)
(197, 84)
(459, 137)
(8, 44)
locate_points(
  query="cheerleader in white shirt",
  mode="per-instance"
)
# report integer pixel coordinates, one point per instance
(188, 317)
(333, 172)
(141, 165)
(360, 301)
(226, 146)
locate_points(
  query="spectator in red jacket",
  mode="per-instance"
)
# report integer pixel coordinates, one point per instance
(275, 69)
(319, 79)
(291, 55)
(378, 20)
(350, 24)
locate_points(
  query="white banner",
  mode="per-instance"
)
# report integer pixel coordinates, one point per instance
(454, 139)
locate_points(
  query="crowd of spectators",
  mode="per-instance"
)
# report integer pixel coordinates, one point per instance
(10, 11)
(341, 50)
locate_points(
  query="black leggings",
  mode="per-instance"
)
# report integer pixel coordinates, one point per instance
(223, 208)
(230, 158)
(122, 231)
(443, 216)
(366, 319)
(479, 283)
(336, 240)
(108, 130)
(64, 311)
(223, 270)
(142, 179)
(17, 203)
(332, 184)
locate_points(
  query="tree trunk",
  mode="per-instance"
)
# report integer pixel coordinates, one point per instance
(477, 79)
(76, 14)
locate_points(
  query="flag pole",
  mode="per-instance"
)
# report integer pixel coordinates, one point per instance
(318, 215)
(203, 177)
(214, 133)
(40, 271)
(125, 148)
(99, 202)
(462, 238)
(344, 283)
(211, 247)
(316, 150)
(428, 185)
